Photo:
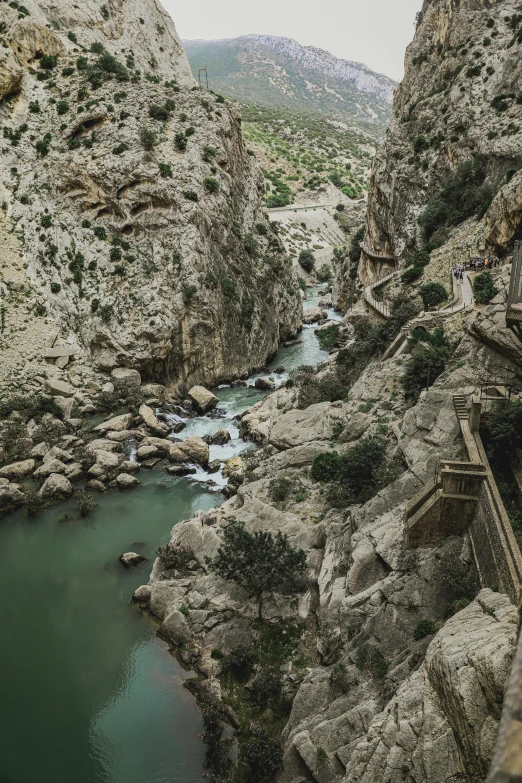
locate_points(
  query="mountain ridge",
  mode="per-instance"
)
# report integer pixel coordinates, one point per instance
(269, 69)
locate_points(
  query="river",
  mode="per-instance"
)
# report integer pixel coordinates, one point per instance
(89, 692)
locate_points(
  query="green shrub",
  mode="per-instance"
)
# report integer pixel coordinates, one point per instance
(62, 107)
(100, 232)
(484, 288)
(360, 472)
(106, 312)
(279, 489)
(262, 754)
(191, 195)
(120, 148)
(34, 107)
(55, 288)
(426, 364)
(148, 137)
(241, 658)
(324, 274)
(328, 337)
(46, 221)
(463, 195)
(411, 274)
(369, 658)
(86, 503)
(424, 628)
(354, 252)
(211, 184)
(433, 294)
(180, 140)
(306, 260)
(165, 170)
(325, 467)
(209, 153)
(42, 145)
(48, 61)
(160, 113)
(176, 556)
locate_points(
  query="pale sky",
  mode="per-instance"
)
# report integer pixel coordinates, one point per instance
(373, 32)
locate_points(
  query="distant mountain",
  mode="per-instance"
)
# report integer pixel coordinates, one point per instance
(272, 71)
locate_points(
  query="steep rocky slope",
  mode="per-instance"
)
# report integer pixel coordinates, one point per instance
(270, 70)
(459, 101)
(373, 696)
(131, 211)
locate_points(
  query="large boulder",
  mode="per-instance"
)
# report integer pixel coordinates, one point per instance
(108, 460)
(153, 390)
(10, 497)
(124, 378)
(131, 559)
(17, 470)
(56, 487)
(126, 481)
(116, 424)
(313, 315)
(150, 420)
(194, 449)
(220, 438)
(51, 466)
(203, 399)
(57, 388)
(10, 74)
(176, 629)
(265, 384)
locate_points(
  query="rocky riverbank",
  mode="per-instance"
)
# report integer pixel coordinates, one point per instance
(396, 659)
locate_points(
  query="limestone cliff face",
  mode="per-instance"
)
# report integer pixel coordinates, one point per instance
(458, 99)
(134, 204)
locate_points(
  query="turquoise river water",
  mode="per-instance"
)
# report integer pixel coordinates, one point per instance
(90, 694)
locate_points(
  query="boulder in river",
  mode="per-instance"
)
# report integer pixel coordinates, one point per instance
(238, 384)
(203, 399)
(131, 559)
(314, 315)
(129, 466)
(214, 466)
(220, 438)
(126, 481)
(149, 418)
(17, 469)
(181, 470)
(56, 487)
(142, 594)
(99, 486)
(264, 383)
(146, 452)
(193, 449)
(10, 497)
(51, 466)
(279, 369)
(233, 465)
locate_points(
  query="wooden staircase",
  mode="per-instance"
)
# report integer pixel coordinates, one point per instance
(459, 401)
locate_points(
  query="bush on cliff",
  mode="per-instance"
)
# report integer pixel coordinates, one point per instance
(433, 294)
(504, 430)
(484, 288)
(426, 364)
(307, 260)
(260, 563)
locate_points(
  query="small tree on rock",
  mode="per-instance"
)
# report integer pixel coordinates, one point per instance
(261, 563)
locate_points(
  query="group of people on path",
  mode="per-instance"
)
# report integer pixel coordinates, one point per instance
(483, 264)
(458, 272)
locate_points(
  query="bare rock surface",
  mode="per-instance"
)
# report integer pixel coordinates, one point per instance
(202, 398)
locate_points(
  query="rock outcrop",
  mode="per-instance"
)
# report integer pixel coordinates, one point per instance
(135, 211)
(458, 100)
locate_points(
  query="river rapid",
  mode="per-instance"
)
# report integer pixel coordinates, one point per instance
(90, 694)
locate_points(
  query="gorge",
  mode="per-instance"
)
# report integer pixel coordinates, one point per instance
(380, 441)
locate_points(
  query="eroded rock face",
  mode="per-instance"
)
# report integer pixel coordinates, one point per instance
(155, 262)
(461, 59)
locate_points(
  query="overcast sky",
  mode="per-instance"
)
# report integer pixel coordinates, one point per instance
(373, 32)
